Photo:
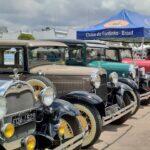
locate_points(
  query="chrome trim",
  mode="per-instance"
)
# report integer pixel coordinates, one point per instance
(12, 145)
(23, 111)
(108, 119)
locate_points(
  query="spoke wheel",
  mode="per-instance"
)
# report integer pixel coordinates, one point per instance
(67, 128)
(90, 119)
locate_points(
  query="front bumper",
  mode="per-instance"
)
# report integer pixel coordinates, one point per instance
(69, 145)
(145, 96)
(72, 143)
(12, 145)
(116, 115)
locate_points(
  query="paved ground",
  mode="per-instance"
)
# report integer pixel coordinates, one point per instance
(132, 135)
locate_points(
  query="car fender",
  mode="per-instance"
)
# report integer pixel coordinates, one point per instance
(62, 107)
(131, 83)
(122, 88)
(86, 97)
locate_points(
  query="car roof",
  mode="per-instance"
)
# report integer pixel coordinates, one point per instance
(31, 43)
(90, 43)
(119, 47)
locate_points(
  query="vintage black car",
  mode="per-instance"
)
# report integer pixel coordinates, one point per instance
(99, 102)
(17, 114)
(32, 124)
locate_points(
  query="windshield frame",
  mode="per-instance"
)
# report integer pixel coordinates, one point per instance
(125, 49)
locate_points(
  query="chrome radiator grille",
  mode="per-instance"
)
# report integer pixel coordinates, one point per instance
(19, 101)
(102, 91)
(66, 84)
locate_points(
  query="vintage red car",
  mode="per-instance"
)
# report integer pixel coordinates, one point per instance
(126, 56)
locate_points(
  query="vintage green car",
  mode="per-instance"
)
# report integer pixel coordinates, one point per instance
(95, 54)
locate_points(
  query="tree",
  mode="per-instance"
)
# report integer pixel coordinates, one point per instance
(26, 36)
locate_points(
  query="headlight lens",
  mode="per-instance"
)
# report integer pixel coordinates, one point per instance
(142, 70)
(47, 96)
(132, 71)
(30, 142)
(8, 130)
(96, 81)
(113, 77)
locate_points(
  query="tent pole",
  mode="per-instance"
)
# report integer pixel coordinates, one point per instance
(142, 44)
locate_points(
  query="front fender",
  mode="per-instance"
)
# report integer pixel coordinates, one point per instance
(129, 82)
(62, 107)
(86, 98)
(43, 141)
(122, 88)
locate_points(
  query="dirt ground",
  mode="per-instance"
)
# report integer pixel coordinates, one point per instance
(134, 134)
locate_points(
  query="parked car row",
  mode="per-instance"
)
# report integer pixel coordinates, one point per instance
(63, 92)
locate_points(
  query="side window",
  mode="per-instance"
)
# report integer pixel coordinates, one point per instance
(11, 58)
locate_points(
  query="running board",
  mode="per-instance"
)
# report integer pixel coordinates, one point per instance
(145, 96)
(72, 143)
(108, 119)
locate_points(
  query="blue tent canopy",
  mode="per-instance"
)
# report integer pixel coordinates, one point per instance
(125, 24)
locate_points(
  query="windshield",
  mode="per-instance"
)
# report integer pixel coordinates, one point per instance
(126, 53)
(10, 58)
(95, 54)
(101, 54)
(46, 55)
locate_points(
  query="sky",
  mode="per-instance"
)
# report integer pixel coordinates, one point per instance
(39, 13)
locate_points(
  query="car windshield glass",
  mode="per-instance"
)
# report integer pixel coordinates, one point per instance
(75, 53)
(46, 55)
(126, 53)
(93, 54)
(10, 58)
(111, 55)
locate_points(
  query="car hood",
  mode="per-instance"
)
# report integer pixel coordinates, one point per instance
(139, 62)
(64, 70)
(120, 68)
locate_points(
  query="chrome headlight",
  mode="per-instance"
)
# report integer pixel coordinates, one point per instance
(96, 81)
(47, 96)
(142, 71)
(113, 77)
(132, 71)
(3, 107)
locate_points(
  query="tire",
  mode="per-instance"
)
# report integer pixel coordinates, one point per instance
(40, 81)
(125, 117)
(94, 121)
(75, 126)
(135, 96)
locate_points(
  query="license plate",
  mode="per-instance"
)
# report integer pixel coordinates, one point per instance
(23, 118)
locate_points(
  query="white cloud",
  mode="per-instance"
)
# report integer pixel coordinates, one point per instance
(34, 13)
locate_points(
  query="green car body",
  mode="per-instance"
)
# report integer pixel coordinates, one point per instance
(122, 69)
(129, 74)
